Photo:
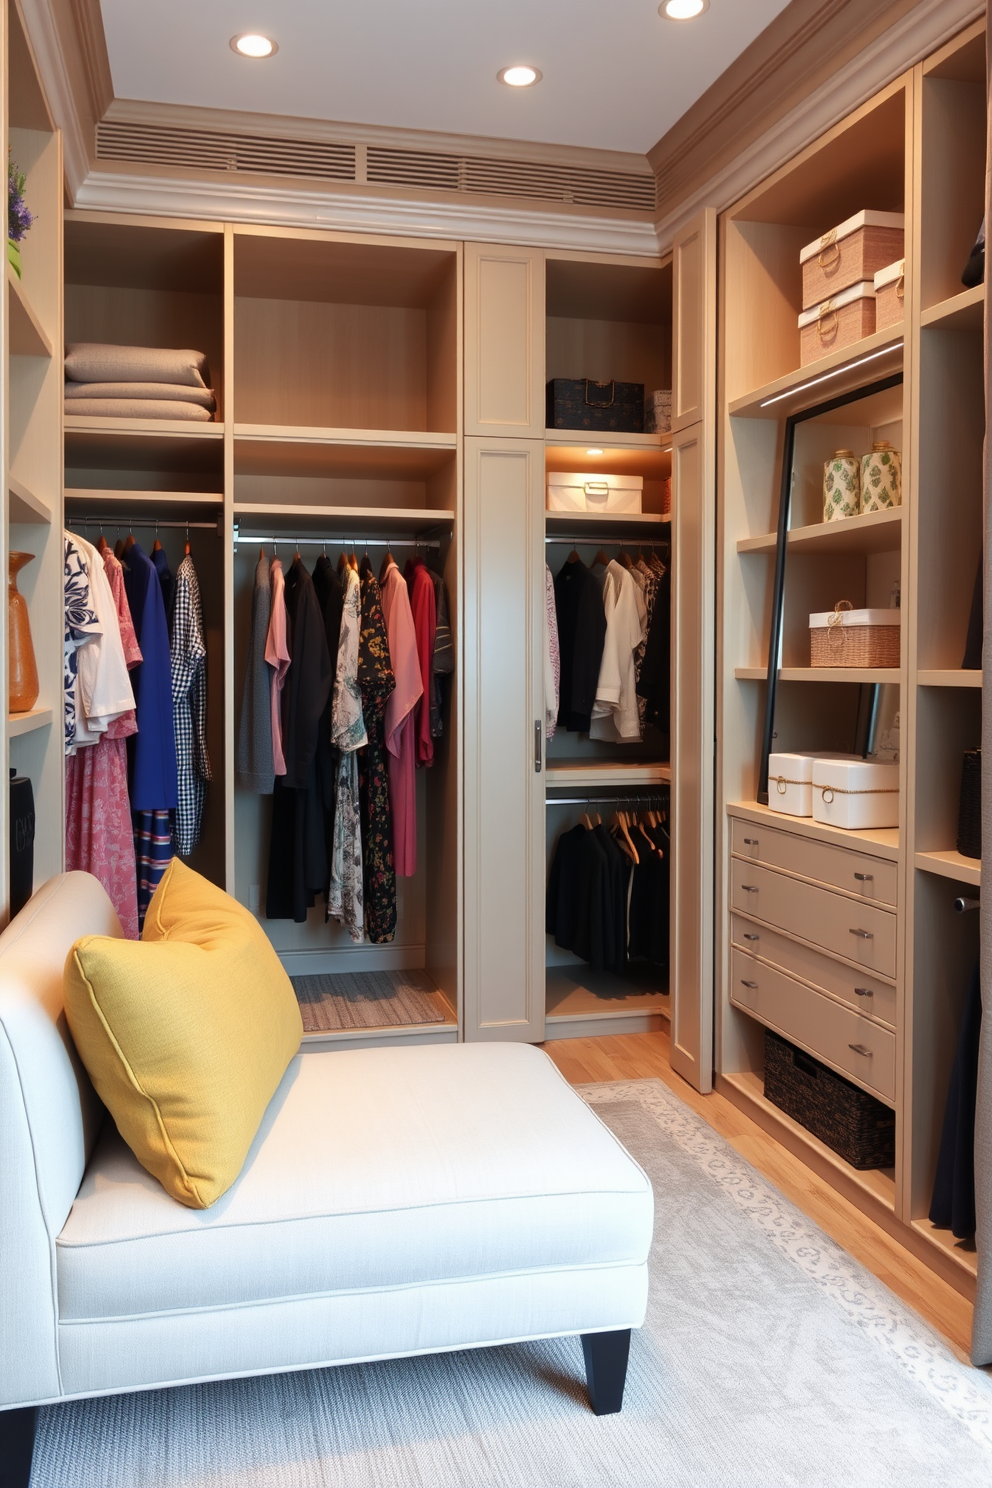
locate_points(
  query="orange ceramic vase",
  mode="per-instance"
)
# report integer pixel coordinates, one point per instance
(23, 692)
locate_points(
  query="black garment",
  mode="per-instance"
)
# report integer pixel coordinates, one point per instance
(444, 654)
(654, 684)
(581, 634)
(298, 847)
(953, 1203)
(586, 904)
(649, 902)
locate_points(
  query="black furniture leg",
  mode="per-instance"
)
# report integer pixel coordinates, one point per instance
(606, 1369)
(17, 1446)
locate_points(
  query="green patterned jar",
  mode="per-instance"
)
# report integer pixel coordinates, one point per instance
(841, 486)
(881, 478)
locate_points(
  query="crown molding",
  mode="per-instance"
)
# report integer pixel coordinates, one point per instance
(357, 209)
(914, 36)
(60, 66)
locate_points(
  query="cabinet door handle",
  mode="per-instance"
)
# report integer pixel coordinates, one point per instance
(752, 985)
(750, 888)
(537, 746)
(860, 1049)
(865, 877)
(863, 934)
(863, 992)
(751, 937)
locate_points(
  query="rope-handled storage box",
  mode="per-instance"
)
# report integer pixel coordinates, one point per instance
(841, 320)
(845, 637)
(856, 794)
(848, 254)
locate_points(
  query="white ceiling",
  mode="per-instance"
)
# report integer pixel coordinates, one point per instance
(616, 76)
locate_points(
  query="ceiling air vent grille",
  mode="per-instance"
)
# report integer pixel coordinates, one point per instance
(199, 149)
(422, 170)
(535, 180)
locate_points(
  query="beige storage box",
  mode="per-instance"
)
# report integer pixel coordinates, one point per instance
(889, 294)
(790, 781)
(838, 322)
(850, 253)
(844, 637)
(658, 411)
(569, 491)
(855, 794)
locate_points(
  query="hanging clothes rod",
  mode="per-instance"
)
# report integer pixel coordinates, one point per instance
(332, 540)
(584, 540)
(963, 904)
(118, 520)
(614, 800)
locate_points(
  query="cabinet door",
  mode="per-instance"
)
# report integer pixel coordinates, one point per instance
(504, 341)
(693, 746)
(694, 321)
(503, 634)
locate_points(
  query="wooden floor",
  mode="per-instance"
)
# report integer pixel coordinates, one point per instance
(639, 1056)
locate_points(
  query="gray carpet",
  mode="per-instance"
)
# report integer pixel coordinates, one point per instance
(367, 999)
(769, 1359)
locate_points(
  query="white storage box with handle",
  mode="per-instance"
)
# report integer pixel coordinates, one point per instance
(790, 781)
(855, 794)
(570, 491)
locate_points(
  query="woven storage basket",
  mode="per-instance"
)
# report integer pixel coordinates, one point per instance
(837, 323)
(970, 810)
(851, 1122)
(841, 643)
(856, 249)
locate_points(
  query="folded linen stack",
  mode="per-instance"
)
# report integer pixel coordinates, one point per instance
(137, 382)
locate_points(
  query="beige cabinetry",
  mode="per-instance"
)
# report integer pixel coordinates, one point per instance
(847, 942)
(504, 341)
(31, 316)
(503, 617)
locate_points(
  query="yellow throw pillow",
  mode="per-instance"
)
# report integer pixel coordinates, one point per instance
(186, 1034)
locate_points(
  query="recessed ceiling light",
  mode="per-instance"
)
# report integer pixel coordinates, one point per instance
(682, 10)
(594, 452)
(520, 76)
(253, 45)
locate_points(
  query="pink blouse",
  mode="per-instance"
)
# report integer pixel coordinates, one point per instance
(277, 655)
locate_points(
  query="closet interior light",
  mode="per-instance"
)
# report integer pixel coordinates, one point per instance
(519, 76)
(253, 45)
(682, 10)
(594, 452)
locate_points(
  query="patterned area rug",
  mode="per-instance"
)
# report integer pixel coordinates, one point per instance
(769, 1359)
(367, 999)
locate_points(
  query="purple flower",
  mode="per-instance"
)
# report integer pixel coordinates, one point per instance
(19, 219)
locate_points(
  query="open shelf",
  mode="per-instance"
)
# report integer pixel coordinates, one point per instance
(92, 497)
(347, 520)
(26, 723)
(961, 1251)
(647, 455)
(880, 675)
(599, 1002)
(962, 312)
(25, 506)
(872, 532)
(584, 774)
(372, 454)
(596, 523)
(843, 371)
(139, 429)
(883, 842)
(878, 1182)
(929, 678)
(951, 865)
(27, 335)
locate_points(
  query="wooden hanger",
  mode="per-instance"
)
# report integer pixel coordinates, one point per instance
(624, 839)
(584, 821)
(601, 558)
(574, 556)
(624, 559)
(102, 545)
(387, 563)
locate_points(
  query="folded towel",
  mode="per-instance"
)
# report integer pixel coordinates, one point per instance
(132, 390)
(145, 408)
(90, 361)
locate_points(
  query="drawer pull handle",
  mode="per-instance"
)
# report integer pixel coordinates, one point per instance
(750, 841)
(863, 992)
(863, 934)
(750, 888)
(751, 937)
(865, 877)
(860, 1049)
(752, 985)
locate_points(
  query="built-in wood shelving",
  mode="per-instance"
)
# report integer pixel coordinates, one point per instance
(26, 723)
(883, 842)
(880, 675)
(27, 335)
(871, 532)
(928, 678)
(962, 312)
(25, 506)
(582, 775)
(842, 371)
(951, 864)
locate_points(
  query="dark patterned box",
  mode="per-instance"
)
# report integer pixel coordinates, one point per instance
(856, 1125)
(605, 407)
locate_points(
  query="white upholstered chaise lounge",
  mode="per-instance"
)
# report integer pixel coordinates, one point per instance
(395, 1201)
